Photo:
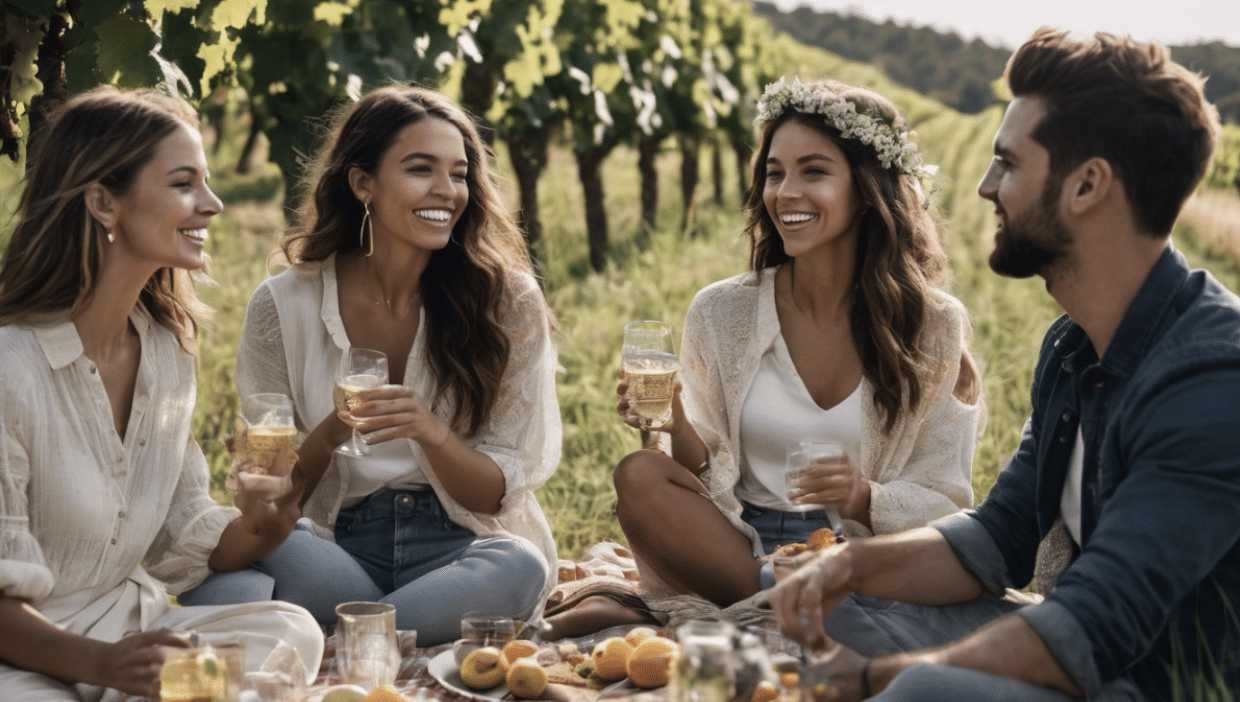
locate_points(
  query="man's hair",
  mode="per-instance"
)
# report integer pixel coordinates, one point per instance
(1126, 102)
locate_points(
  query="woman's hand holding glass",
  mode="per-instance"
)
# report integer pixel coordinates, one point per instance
(361, 369)
(628, 410)
(269, 504)
(397, 412)
(828, 482)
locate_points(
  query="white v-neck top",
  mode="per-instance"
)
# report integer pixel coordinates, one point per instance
(779, 412)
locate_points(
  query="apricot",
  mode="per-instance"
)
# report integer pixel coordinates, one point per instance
(652, 662)
(481, 669)
(610, 657)
(526, 679)
(517, 648)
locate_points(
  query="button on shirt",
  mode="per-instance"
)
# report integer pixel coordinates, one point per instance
(81, 510)
(1157, 581)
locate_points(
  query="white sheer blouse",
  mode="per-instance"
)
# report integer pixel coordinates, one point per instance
(81, 510)
(293, 343)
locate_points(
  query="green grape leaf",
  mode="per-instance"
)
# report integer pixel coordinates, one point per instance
(155, 7)
(332, 13)
(124, 52)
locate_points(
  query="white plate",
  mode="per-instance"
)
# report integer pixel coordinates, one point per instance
(443, 668)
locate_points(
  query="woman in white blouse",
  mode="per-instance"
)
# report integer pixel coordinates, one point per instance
(104, 506)
(838, 333)
(405, 247)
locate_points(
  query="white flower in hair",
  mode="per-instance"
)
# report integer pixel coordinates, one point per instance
(892, 148)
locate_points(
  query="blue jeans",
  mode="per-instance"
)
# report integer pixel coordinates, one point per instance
(777, 528)
(874, 626)
(396, 546)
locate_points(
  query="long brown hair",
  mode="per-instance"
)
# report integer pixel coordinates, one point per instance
(51, 264)
(463, 287)
(899, 257)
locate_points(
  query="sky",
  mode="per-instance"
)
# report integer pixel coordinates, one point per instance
(1007, 23)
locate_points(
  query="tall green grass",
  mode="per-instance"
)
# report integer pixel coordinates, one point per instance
(1009, 316)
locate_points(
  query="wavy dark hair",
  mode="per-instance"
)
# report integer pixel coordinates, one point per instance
(463, 288)
(899, 256)
(51, 264)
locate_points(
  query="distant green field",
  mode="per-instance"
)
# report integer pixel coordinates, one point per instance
(1009, 316)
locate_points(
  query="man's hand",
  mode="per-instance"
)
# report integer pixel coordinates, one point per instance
(804, 597)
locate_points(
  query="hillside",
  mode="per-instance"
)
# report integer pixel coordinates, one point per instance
(958, 73)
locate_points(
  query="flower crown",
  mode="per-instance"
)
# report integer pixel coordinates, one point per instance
(893, 148)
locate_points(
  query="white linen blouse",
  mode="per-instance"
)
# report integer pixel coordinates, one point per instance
(919, 471)
(293, 343)
(81, 510)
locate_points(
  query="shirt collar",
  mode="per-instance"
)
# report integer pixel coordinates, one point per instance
(330, 308)
(1142, 324)
(61, 343)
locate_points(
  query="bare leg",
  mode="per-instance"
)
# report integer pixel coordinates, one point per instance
(675, 530)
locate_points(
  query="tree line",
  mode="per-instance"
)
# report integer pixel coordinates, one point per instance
(652, 74)
(655, 75)
(961, 73)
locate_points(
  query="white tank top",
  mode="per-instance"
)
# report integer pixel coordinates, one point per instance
(779, 412)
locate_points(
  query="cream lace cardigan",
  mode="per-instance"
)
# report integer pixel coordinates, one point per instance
(293, 343)
(918, 472)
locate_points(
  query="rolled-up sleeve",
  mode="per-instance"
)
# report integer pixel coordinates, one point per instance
(524, 433)
(179, 554)
(23, 572)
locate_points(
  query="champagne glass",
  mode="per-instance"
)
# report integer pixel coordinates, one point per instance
(363, 369)
(650, 367)
(800, 456)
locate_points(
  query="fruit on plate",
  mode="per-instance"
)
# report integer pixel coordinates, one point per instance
(652, 662)
(384, 693)
(610, 657)
(517, 648)
(481, 669)
(638, 635)
(345, 693)
(764, 692)
(526, 678)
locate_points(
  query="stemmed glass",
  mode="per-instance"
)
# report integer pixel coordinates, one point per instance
(650, 367)
(362, 369)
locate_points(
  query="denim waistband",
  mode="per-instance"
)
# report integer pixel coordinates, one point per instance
(755, 511)
(399, 503)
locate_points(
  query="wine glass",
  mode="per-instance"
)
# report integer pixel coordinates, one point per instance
(362, 369)
(650, 367)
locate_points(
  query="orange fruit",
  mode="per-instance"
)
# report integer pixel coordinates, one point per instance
(610, 656)
(638, 635)
(517, 648)
(526, 679)
(820, 539)
(764, 692)
(652, 662)
(385, 693)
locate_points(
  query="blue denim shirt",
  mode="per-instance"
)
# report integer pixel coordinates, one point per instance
(1154, 594)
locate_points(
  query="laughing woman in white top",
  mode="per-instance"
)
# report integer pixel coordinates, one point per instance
(103, 490)
(406, 248)
(838, 333)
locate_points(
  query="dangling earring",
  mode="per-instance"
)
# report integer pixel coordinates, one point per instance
(361, 240)
(110, 235)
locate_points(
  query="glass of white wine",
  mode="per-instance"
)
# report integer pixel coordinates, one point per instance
(650, 365)
(801, 456)
(362, 369)
(269, 431)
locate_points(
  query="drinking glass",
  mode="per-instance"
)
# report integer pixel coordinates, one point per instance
(367, 653)
(191, 674)
(705, 671)
(268, 432)
(362, 369)
(650, 365)
(479, 629)
(800, 456)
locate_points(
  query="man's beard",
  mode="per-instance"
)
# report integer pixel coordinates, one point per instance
(1030, 242)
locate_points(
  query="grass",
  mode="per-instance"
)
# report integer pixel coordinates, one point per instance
(1009, 316)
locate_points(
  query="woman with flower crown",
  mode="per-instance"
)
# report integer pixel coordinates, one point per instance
(839, 332)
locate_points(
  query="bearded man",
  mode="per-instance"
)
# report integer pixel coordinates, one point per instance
(1133, 444)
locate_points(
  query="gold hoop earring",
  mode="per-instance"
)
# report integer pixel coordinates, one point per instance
(361, 240)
